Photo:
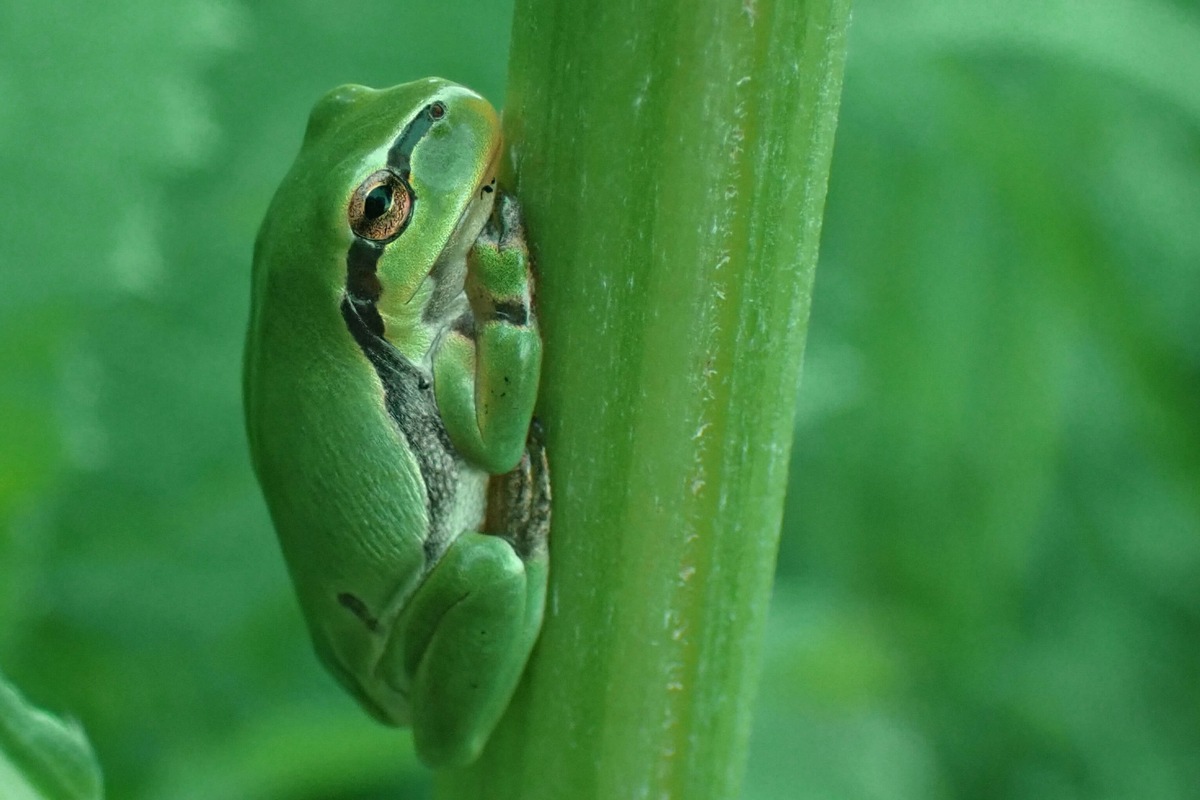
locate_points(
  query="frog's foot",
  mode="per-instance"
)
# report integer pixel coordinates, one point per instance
(519, 500)
(461, 644)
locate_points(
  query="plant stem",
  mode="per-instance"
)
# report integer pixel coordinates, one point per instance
(672, 159)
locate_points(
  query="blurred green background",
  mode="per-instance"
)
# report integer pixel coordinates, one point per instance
(989, 583)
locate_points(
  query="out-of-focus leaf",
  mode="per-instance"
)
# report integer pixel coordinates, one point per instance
(298, 753)
(42, 757)
(1150, 44)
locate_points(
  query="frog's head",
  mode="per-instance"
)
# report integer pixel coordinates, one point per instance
(389, 185)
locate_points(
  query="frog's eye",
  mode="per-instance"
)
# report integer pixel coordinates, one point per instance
(380, 206)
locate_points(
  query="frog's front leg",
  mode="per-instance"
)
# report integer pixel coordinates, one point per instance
(486, 367)
(464, 637)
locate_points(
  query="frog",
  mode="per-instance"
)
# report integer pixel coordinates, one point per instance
(390, 374)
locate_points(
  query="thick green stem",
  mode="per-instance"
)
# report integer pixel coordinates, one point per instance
(672, 158)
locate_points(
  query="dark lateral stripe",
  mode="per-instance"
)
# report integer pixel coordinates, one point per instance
(409, 399)
(368, 315)
(408, 392)
(362, 261)
(511, 311)
(400, 154)
(363, 288)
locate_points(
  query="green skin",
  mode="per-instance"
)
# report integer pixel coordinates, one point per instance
(386, 381)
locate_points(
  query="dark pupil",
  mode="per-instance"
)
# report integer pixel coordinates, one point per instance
(378, 201)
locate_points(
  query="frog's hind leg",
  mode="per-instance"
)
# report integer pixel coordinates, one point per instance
(468, 631)
(461, 647)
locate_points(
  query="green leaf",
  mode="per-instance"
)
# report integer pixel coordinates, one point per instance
(41, 756)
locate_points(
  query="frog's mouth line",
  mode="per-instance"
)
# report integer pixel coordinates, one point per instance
(471, 222)
(448, 270)
(485, 191)
(399, 159)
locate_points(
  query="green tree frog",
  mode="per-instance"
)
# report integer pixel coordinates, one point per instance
(391, 369)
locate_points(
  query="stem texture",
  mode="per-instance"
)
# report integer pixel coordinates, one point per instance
(672, 159)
